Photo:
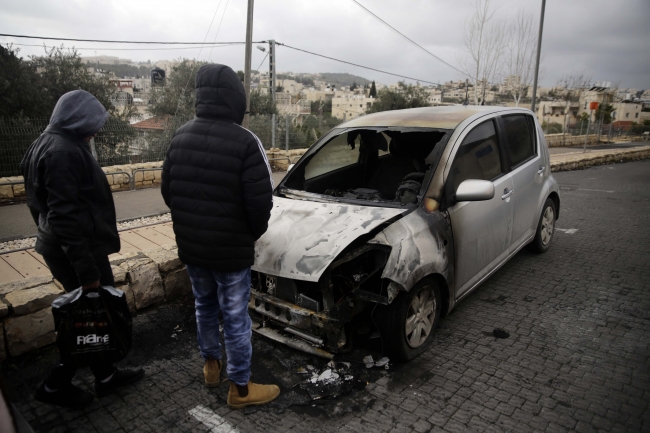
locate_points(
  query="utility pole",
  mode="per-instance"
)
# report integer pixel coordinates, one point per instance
(591, 111)
(539, 49)
(287, 126)
(247, 63)
(272, 85)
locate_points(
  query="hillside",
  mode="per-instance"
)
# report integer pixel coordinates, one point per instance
(343, 79)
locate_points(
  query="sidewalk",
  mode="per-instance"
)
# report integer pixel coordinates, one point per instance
(18, 265)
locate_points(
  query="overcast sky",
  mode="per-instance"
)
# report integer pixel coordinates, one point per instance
(608, 40)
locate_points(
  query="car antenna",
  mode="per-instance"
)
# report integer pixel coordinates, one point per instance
(466, 92)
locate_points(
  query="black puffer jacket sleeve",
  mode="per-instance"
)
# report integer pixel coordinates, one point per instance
(257, 187)
(63, 176)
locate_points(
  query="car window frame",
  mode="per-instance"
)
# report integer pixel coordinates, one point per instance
(504, 167)
(503, 139)
(447, 193)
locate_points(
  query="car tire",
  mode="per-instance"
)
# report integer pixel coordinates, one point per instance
(545, 229)
(421, 307)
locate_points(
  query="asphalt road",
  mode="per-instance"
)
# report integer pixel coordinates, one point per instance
(17, 222)
(577, 357)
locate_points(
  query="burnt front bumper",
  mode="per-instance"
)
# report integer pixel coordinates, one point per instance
(282, 321)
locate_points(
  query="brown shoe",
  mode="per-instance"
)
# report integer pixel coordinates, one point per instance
(257, 394)
(212, 372)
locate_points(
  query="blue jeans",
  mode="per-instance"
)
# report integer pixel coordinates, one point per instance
(229, 293)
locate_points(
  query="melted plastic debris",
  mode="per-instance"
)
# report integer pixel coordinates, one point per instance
(335, 379)
(383, 362)
(370, 362)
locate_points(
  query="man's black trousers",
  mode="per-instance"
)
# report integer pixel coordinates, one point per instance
(62, 270)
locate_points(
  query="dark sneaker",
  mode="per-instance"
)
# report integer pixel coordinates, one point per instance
(120, 378)
(69, 396)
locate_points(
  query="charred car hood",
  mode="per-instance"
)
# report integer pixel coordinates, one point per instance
(305, 237)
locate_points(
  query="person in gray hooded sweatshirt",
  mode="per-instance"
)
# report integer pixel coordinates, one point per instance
(71, 202)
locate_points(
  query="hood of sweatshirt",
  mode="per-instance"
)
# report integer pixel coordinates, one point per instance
(219, 93)
(79, 114)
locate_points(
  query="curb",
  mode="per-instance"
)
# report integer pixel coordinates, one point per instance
(582, 161)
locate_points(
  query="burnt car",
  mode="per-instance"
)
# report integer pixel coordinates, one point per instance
(399, 215)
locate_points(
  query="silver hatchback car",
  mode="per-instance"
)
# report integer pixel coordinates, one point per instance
(397, 216)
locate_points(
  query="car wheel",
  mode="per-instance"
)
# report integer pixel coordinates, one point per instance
(412, 321)
(545, 229)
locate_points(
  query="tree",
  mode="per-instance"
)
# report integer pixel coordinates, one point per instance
(574, 86)
(18, 90)
(373, 90)
(485, 44)
(353, 86)
(519, 57)
(177, 96)
(241, 75)
(604, 111)
(261, 104)
(406, 96)
(32, 88)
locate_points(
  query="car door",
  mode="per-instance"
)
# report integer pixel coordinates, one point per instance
(481, 229)
(527, 169)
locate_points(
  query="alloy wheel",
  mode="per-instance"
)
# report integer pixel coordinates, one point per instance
(420, 317)
(548, 223)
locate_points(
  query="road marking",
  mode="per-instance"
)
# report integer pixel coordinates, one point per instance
(214, 422)
(567, 231)
(596, 190)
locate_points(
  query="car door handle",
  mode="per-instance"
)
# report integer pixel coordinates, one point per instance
(541, 170)
(507, 193)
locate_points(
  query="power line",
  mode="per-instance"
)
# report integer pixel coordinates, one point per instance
(118, 42)
(219, 28)
(360, 66)
(409, 39)
(217, 45)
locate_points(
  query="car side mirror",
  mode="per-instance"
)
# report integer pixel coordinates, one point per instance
(475, 190)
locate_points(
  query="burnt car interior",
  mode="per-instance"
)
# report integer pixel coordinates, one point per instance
(378, 165)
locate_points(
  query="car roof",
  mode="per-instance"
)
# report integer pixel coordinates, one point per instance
(447, 117)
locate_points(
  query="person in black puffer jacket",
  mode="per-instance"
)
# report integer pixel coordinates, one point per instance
(217, 182)
(71, 202)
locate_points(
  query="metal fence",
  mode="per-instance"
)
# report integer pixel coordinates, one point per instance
(119, 142)
(616, 129)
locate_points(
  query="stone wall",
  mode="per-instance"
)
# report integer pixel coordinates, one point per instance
(282, 164)
(556, 140)
(26, 321)
(152, 175)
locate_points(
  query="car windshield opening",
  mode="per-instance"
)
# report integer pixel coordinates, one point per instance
(380, 165)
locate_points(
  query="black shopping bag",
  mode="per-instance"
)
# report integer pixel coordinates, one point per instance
(92, 325)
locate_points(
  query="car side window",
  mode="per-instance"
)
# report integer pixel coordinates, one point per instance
(478, 156)
(520, 139)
